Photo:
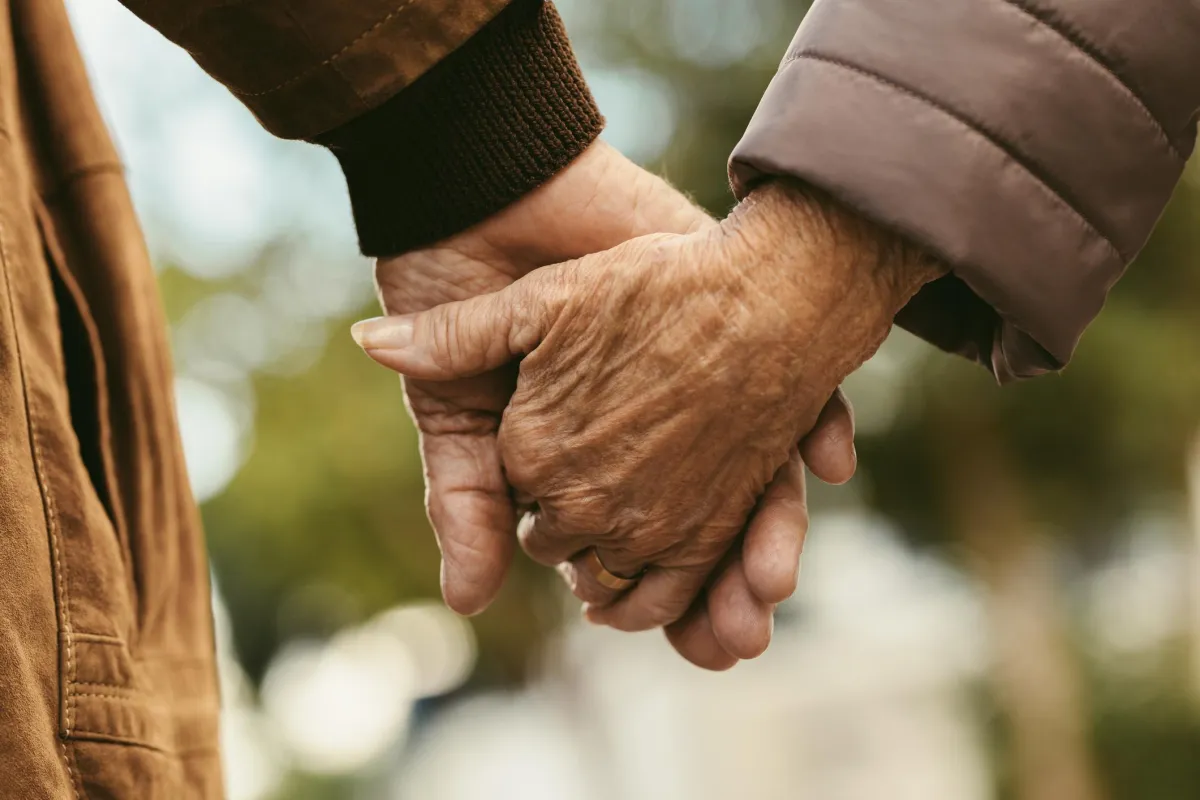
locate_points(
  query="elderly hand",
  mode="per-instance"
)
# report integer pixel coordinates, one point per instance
(601, 200)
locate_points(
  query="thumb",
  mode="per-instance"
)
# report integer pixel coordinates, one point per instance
(459, 340)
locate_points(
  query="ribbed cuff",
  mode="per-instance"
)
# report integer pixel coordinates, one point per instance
(496, 119)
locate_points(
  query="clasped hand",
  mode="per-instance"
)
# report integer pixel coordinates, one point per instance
(662, 390)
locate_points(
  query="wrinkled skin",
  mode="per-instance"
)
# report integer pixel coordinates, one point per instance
(600, 201)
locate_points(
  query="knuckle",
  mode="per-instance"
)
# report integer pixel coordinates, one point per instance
(525, 460)
(699, 556)
(523, 318)
(627, 559)
(441, 327)
(523, 474)
(581, 514)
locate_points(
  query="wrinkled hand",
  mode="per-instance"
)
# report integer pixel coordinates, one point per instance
(665, 383)
(600, 201)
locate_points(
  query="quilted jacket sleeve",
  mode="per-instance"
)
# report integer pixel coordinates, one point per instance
(1031, 144)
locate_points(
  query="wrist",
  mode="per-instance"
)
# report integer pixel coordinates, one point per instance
(600, 200)
(837, 279)
(835, 249)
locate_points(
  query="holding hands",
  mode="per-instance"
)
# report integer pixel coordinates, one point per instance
(668, 393)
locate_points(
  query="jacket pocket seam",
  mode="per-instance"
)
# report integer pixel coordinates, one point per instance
(126, 741)
(99, 638)
(131, 697)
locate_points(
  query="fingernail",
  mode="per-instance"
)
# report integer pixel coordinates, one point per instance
(383, 333)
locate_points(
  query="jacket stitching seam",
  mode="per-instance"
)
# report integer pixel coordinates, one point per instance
(62, 580)
(135, 694)
(1077, 42)
(107, 696)
(99, 638)
(337, 70)
(331, 59)
(125, 687)
(133, 690)
(995, 141)
(199, 706)
(133, 741)
(143, 700)
(73, 770)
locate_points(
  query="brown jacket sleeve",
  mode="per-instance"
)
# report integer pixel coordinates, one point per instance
(1032, 144)
(441, 112)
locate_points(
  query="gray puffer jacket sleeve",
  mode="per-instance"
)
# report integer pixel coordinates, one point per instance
(1031, 144)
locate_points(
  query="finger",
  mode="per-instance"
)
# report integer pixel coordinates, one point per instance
(828, 449)
(741, 623)
(775, 535)
(545, 543)
(472, 517)
(584, 584)
(693, 638)
(461, 339)
(661, 597)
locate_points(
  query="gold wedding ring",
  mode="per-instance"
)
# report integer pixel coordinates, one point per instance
(605, 578)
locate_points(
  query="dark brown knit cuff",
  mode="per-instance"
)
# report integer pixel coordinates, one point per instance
(494, 120)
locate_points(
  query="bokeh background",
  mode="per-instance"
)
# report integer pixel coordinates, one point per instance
(1005, 603)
